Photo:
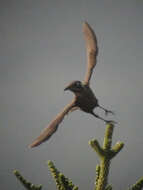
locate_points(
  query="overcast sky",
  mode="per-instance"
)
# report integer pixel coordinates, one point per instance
(42, 49)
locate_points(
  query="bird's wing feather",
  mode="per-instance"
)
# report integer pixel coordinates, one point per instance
(53, 126)
(91, 48)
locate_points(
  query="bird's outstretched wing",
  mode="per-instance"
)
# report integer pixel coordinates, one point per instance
(53, 126)
(92, 49)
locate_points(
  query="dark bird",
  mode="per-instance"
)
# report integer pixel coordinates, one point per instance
(84, 98)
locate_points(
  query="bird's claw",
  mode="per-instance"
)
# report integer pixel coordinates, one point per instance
(110, 121)
(109, 111)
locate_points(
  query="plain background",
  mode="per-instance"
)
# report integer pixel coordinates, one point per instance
(42, 49)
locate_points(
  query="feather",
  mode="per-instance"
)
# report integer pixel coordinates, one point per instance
(53, 126)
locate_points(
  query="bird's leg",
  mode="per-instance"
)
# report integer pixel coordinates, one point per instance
(106, 121)
(106, 111)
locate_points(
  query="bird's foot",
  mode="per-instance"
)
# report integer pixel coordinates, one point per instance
(109, 112)
(106, 111)
(110, 121)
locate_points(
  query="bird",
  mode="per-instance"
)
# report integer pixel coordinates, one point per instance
(84, 98)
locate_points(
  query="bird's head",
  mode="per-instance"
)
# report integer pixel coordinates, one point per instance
(75, 86)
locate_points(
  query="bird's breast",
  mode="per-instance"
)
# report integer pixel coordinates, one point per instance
(86, 101)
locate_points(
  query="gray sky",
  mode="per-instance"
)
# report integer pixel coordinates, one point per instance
(42, 50)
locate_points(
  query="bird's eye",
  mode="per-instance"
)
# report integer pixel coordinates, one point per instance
(78, 84)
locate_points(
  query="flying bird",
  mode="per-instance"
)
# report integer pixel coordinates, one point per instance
(84, 98)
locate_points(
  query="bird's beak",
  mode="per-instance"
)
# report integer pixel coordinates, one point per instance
(67, 88)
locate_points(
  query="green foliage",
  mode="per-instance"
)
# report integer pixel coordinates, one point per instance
(62, 182)
(109, 187)
(105, 152)
(138, 185)
(28, 185)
